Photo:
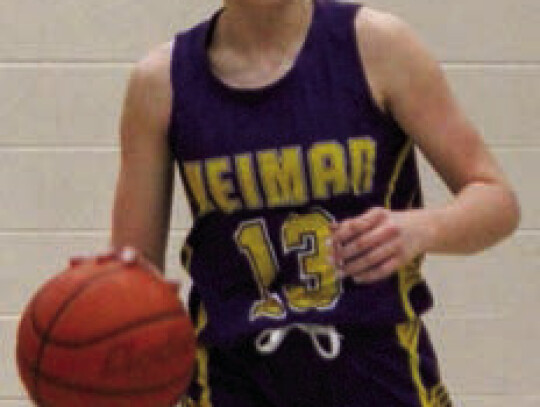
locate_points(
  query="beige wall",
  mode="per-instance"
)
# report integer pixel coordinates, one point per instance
(63, 68)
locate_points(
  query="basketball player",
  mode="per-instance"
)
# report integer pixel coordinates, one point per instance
(293, 124)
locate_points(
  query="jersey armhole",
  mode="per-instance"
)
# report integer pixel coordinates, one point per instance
(363, 75)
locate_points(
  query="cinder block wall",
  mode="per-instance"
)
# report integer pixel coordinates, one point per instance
(63, 69)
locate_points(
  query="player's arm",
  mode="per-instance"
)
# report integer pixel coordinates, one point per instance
(141, 211)
(408, 83)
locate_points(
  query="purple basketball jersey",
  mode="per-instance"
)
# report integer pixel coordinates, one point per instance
(267, 170)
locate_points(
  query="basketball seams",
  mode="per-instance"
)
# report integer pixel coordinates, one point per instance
(84, 284)
(159, 317)
(44, 321)
(46, 333)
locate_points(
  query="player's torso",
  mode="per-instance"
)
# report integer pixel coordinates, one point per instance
(267, 171)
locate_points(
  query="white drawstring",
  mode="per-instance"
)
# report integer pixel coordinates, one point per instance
(269, 340)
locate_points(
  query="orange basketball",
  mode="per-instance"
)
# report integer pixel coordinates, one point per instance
(105, 333)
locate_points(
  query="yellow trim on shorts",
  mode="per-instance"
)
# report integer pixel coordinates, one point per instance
(439, 397)
(409, 335)
(201, 370)
(409, 332)
(202, 357)
(202, 361)
(202, 379)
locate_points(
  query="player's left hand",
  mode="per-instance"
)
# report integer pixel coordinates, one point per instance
(372, 246)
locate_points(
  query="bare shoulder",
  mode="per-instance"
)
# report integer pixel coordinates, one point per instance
(382, 34)
(153, 69)
(382, 23)
(149, 93)
(390, 50)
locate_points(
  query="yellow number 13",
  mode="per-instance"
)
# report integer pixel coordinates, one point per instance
(306, 234)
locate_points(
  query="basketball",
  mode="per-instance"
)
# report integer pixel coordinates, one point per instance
(106, 333)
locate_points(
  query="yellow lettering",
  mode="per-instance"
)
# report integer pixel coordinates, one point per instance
(362, 151)
(328, 170)
(220, 187)
(282, 177)
(193, 174)
(247, 181)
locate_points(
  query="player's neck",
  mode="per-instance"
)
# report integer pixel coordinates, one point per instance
(276, 27)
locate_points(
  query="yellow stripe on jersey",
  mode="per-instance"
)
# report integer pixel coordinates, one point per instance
(186, 255)
(397, 171)
(409, 275)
